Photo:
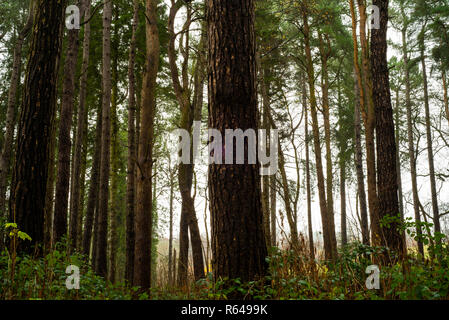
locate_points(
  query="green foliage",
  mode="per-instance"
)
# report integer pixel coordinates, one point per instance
(45, 278)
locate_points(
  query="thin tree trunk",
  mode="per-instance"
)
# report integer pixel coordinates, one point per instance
(325, 54)
(76, 198)
(38, 111)
(101, 244)
(143, 215)
(5, 156)
(273, 192)
(65, 139)
(330, 253)
(131, 167)
(170, 238)
(238, 240)
(445, 94)
(344, 232)
(308, 186)
(92, 199)
(433, 191)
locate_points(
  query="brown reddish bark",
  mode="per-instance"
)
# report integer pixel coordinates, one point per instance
(387, 186)
(30, 173)
(100, 265)
(131, 167)
(79, 153)
(238, 240)
(65, 138)
(143, 218)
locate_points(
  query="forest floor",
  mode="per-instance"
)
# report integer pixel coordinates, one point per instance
(291, 276)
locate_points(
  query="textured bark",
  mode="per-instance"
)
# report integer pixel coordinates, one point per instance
(29, 183)
(308, 186)
(445, 94)
(344, 232)
(114, 206)
(170, 237)
(273, 198)
(5, 156)
(325, 52)
(77, 176)
(358, 159)
(143, 215)
(387, 187)
(101, 244)
(367, 109)
(398, 167)
(92, 198)
(131, 166)
(185, 171)
(238, 240)
(329, 249)
(433, 189)
(65, 138)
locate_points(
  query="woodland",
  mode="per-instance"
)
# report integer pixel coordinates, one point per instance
(352, 98)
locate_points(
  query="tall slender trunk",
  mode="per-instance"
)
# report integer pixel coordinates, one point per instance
(170, 237)
(131, 166)
(387, 185)
(101, 264)
(238, 240)
(445, 94)
(344, 232)
(273, 193)
(308, 186)
(367, 111)
(65, 138)
(433, 189)
(325, 52)
(38, 111)
(185, 173)
(78, 162)
(330, 253)
(5, 156)
(143, 216)
(115, 158)
(92, 198)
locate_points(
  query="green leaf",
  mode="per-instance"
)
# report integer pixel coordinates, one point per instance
(24, 236)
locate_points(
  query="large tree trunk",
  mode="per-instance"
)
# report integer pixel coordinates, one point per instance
(328, 235)
(143, 218)
(238, 240)
(387, 186)
(131, 167)
(65, 138)
(76, 208)
(433, 189)
(29, 183)
(101, 244)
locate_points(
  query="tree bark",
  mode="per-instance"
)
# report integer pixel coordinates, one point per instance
(433, 190)
(238, 240)
(29, 183)
(101, 267)
(5, 157)
(131, 167)
(329, 249)
(65, 138)
(387, 186)
(358, 159)
(76, 208)
(143, 219)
